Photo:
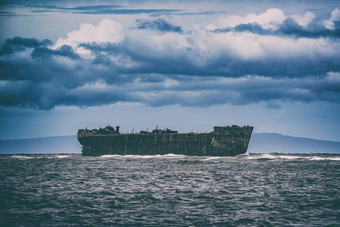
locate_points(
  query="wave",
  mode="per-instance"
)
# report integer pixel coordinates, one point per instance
(30, 156)
(131, 156)
(22, 157)
(262, 156)
(245, 156)
(325, 158)
(292, 157)
(175, 155)
(62, 156)
(110, 156)
(143, 156)
(212, 158)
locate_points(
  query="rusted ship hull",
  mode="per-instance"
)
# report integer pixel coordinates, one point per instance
(223, 141)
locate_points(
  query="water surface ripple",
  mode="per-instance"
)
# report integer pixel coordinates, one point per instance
(173, 190)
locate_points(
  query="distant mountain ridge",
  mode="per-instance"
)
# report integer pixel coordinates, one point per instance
(44, 145)
(273, 142)
(259, 143)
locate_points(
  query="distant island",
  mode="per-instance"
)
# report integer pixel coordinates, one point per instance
(273, 142)
(259, 143)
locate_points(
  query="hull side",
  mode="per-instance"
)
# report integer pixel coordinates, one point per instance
(220, 142)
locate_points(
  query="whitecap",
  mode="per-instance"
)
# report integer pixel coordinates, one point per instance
(289, 157)
(262, 156)
(130, 156)
(292, 157)
(22, 157)
(111, 156)
(62, 156)
(316, 158)
(141, 156)
(144, 156)
(242, 155)
(212, 158)
(174, 155)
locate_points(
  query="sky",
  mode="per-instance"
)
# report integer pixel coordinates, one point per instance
(183, 65)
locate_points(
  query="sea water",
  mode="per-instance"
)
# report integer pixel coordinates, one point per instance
(170, 190)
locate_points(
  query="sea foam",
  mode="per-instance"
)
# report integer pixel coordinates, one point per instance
(22, 157)
(62, 156)
(292, 157)
(144, 156)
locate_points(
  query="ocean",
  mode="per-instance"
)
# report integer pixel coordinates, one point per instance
(170, 190)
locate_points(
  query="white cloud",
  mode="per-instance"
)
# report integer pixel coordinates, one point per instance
(249, 46)
(202, 46)
(106, 31)
(333, 76)
(268, 20)
(305, 19)
(335, 16)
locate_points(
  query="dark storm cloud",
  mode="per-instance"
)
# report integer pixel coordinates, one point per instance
(288, 28)
(44, 52)
(130, 11)
(112, 48)
(116, 11)
(193, 13)
(19, 44)
(101, 9)
(4, 13)
(223, 64)
(94, 7)
(158, 25)
(33, 74)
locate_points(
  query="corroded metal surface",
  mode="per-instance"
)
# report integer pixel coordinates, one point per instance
(223, 141)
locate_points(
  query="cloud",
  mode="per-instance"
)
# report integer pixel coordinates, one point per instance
(106, 31)
(18, 44)
(253, 62)
(158, 25)
(304, 20)
(130, 11)
(93, 86)
(288, 27)
(44, 52)
(270, 19)
(333, 22)
(93, 8)
(99, 9)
